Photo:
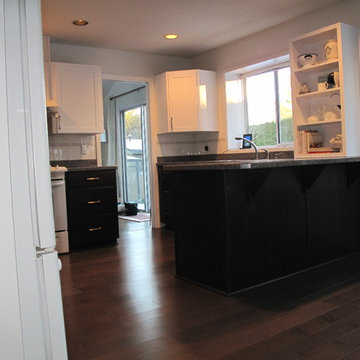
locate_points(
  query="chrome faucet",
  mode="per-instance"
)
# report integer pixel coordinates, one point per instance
(253, 145)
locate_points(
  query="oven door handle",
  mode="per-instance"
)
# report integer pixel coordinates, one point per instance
(57, 183)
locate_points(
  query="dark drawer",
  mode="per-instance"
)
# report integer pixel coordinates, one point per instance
(93, 230)
(94, 201)
(90, 178)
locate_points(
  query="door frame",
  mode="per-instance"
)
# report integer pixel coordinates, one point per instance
(152, 140)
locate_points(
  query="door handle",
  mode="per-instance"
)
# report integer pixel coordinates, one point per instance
(95, 229)
(171, 119)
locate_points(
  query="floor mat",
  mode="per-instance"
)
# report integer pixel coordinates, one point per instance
(140, 217)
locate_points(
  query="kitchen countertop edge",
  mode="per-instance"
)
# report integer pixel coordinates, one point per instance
(253, 164)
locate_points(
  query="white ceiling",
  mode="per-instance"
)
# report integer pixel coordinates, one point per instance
(139, 25)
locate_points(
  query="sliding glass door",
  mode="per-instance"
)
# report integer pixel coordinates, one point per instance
(134, 157)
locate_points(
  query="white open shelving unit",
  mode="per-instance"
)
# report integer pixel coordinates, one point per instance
(342, 101)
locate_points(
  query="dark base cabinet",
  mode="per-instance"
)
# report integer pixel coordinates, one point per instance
(166, 198)
(333, 214)
(92, 207)
(238, 228)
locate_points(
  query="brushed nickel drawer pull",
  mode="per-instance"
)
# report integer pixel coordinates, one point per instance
(95, 229)
(94, 202)
(92, 178)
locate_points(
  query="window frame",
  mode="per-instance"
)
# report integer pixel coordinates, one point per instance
(272, 65)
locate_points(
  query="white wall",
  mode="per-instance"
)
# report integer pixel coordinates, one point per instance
(274, 41)
(118, 62)
(268, 44)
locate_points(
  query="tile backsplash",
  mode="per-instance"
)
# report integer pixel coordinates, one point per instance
(72, 147)
(179, 144)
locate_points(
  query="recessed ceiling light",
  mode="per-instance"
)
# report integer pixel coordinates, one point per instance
(80, 22)
(171, 36)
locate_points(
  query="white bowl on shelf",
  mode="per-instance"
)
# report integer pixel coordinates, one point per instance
(308, 59)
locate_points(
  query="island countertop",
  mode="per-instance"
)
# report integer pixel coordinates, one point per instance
(253, 164)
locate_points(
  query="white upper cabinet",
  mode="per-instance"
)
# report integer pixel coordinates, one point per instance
(326, 92)
(186, 101)
(76, 91)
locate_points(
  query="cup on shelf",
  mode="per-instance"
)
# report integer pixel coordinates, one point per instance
(322, 86)
(333, 79)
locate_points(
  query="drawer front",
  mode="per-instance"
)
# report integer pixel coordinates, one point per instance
(90, 178)
(93, 230)
(96, 201)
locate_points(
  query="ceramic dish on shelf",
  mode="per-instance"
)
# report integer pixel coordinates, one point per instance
(308, 59)
(313, 119)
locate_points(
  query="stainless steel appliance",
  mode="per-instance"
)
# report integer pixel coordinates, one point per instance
(59, 204)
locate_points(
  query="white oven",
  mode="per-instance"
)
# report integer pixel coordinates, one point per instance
(59, 204)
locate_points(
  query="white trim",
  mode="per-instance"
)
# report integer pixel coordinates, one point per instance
(262, 66)
(264, 70)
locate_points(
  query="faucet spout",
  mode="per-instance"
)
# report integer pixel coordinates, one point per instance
(252, 144)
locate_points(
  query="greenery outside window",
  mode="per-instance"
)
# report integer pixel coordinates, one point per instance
(258, 101)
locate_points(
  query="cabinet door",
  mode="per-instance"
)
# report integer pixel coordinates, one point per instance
(183, 101)
(79, 98)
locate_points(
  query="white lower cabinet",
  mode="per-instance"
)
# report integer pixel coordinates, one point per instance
(76, 91)
(186, 101)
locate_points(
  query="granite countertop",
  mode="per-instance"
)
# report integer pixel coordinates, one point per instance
(253, 164)
(89, 168)
(80, 165)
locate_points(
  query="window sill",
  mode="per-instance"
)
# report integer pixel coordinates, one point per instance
(271, 148)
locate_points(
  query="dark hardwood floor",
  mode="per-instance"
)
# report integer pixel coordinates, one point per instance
(123, 302)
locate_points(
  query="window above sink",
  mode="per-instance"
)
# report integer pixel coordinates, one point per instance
(258, 101)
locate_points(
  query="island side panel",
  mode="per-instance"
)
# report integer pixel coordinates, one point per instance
(266, 222)
(200, 233)
(333, 214)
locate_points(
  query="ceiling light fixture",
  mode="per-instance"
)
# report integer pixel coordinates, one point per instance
(80, 22)
(171, 36)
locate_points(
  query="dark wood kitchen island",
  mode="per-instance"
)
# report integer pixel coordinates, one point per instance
(241, 223)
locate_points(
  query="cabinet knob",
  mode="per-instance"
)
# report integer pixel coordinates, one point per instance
(94, 202)
(92, 178)
(95, 229)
